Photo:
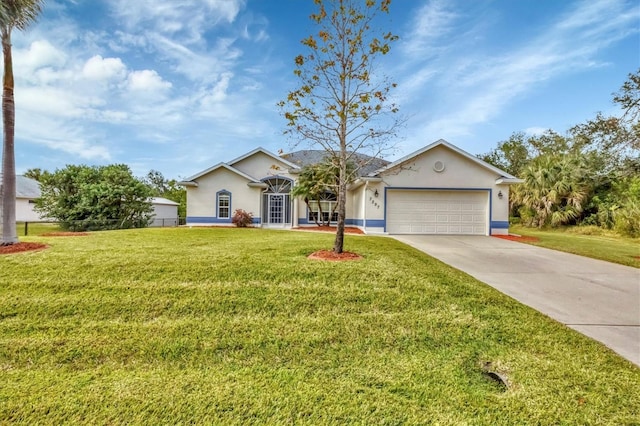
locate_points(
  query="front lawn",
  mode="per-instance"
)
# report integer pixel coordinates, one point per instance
(237, 326)
(602, 245)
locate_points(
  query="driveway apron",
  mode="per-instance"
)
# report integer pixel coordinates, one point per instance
(599, 299)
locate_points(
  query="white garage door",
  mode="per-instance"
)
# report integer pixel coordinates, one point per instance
(437, 212)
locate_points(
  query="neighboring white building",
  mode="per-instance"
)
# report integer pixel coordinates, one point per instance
(27, 190)
(439, 189)
(165, 212)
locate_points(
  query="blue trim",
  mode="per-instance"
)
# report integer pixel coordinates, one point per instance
(218, 194)
(410, 188)
(500, 224)
(214, 220)
(371, 223)
(303, 221)
(206, 219)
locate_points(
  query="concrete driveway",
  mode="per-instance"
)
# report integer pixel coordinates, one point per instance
(596, 298)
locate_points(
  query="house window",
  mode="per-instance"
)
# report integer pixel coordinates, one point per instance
(324, 209)
(224, 205)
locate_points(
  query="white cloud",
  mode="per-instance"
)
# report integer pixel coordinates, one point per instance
(147, 81)
(66, 136)
(431, 22)
(99, 68)
(187, 19)
(219, 91)
(535, 131)
(39, 54)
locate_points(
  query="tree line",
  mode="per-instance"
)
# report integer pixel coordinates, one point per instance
(589, 176)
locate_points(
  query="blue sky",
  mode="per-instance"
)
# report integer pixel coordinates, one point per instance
(180, 85)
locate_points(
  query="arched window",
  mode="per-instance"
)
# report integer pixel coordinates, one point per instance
(223, 203)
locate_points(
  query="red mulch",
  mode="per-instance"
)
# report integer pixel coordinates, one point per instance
(520, 238)
(334, 257)
(22, 247)
(65, 234)
(347, 230)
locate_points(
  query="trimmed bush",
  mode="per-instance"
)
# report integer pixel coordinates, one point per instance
(242, 219)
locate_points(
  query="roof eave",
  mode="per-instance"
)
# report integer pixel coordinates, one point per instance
(257, 185)
(362, 180)
(507, 181)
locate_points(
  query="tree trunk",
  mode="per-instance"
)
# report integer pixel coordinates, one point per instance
(9, 231)
(315, 216)
(338, 245)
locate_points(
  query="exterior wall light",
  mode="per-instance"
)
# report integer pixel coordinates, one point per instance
(500, 194)
(375, 194)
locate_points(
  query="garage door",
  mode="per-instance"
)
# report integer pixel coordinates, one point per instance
(437, 212)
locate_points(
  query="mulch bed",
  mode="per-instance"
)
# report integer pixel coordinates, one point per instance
(334, 257)
(347, 230)
(22, 247)
(64, 234)
(520, 238)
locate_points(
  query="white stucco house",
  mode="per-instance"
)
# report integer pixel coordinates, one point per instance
(27, 190)
(439, 189)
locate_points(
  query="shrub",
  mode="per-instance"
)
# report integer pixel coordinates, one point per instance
(627, 219)
(242, 219)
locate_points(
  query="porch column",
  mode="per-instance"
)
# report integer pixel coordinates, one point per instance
(294, 213)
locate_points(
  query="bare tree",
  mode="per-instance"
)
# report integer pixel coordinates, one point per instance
(342, 104)
(13, 14)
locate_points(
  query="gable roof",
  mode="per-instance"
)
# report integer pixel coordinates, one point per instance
(229, 166)
(26, 187)
(308, 157)
(266, 152)
(441, 142)
(189, 181)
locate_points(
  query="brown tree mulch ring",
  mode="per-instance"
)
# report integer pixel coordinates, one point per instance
(64, 234)
(347, 229)
(519, 238)
(334, 257)
(21, 248)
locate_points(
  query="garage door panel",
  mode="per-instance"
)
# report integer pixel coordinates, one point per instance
(437, 212)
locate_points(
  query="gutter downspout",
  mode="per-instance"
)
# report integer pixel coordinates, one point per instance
(364, 207)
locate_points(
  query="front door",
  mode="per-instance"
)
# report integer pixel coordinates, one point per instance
(276, 209)
(276, 202)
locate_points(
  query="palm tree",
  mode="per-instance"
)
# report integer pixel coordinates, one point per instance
(13, 14)
(555, 190)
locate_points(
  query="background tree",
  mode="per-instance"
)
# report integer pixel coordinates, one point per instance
(511, 155)
(167, 188)
(13, 14)
(35, 173)
(97, 197)
(342, 104)
(591, 176)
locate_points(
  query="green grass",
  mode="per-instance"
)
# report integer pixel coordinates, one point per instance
(586, 241)
(237, 326)
(36, 228)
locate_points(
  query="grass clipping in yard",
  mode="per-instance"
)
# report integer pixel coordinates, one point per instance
(237, 326)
